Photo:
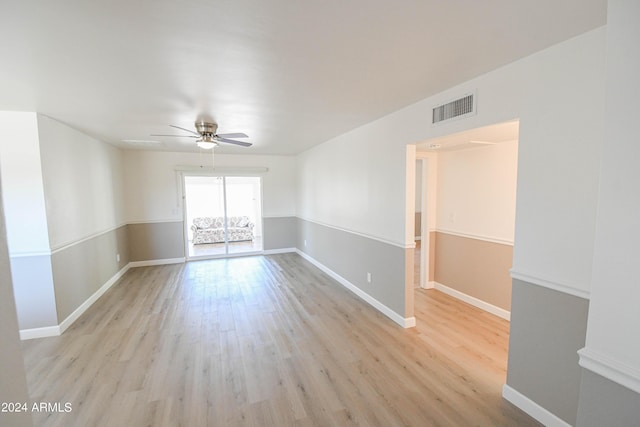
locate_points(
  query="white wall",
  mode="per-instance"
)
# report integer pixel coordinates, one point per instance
(477, 191)
(26, 220)
(561, 134)
(357, 181)
(83, 183)
(153, 186)
(23, 194)
(613, 347)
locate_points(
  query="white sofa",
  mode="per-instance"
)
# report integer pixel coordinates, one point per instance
(209, 229)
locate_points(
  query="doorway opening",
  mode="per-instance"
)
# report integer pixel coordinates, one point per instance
(465, 204)
(223, 216)
(464, 210)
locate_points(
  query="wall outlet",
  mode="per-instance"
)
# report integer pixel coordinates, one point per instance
(117, 257)
(305, 243)
(368, 277)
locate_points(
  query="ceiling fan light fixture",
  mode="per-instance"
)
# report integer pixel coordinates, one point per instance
(207, 141)
(207, 137)
(206, 145)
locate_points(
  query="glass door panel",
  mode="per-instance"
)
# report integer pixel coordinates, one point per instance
(205, 212)
(244, 214)
(223, 215)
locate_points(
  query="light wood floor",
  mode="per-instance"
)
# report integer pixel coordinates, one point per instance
(268, 341)
(216, 249)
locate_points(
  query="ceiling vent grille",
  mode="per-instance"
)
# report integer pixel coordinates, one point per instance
(465, 106)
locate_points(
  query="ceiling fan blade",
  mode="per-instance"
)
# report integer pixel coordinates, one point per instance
(233, 135)
(179, 136)
(185, 129)
(233, 141)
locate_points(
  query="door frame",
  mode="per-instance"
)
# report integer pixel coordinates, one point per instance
(183, 174)
(425, 238)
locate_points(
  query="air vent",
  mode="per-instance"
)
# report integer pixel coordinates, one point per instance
(465, 106)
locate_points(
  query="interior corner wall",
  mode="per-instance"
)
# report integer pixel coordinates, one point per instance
(356, 182)
(610, 390)
(476, 207)
(83, 183)
(22, 181)
(352, 198)
(84, 194)
(153, 197)
(26, 220)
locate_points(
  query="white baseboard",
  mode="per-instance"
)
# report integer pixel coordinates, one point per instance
(278, 251)
(49, 331)
(430, 285)
(157, 262)
(408, 322)
(532, 408)
(64, 325)
(405, 322)
(500, 312)
(54, 331)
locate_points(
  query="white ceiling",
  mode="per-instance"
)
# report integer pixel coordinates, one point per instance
(291, 74)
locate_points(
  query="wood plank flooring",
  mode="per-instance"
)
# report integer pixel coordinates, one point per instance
(268, 341)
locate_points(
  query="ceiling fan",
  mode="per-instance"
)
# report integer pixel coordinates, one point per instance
(207, 137)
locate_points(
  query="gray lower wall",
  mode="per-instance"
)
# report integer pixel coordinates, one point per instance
(33, 286)
(352, 256)
(123, 245)
(606, 403)
(279, 232)
(79, 270)
(474, 267)
(547, 330)
(165, 240)
(156, 240)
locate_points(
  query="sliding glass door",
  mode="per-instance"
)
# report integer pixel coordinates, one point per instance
(244, 214)
(223, 215)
